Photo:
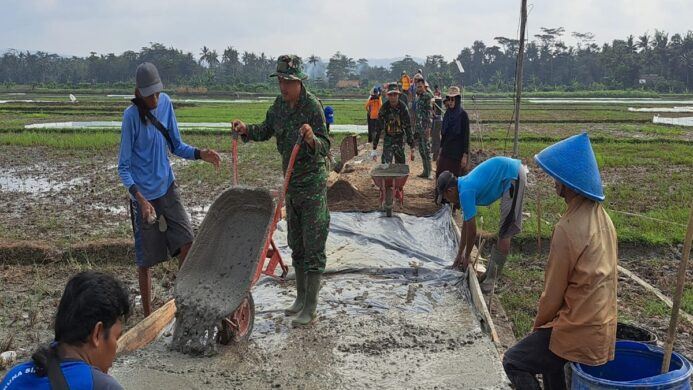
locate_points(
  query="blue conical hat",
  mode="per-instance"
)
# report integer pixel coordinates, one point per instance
(572, 162)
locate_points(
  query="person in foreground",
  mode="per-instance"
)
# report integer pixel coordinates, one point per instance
(576, 318)
(160, 225)
(88, 324)
(295, 113)
(497, 178)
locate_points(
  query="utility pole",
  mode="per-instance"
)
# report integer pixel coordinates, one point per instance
(518, 78)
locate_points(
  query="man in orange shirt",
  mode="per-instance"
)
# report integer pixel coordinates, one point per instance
(406, 81)
(576, 318)
(373, 108)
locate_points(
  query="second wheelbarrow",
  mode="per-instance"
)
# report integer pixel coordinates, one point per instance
(390, 179)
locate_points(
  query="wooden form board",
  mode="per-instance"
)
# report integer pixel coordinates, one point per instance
(148, 329)
(478, 299)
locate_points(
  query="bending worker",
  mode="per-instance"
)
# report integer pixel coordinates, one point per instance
(159, 222)
(394, 119)
(298, 112)
(576, 318)
(496, 178)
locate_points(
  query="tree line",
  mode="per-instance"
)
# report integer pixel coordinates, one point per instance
(654, 61)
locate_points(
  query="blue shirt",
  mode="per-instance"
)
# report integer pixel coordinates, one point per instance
(329, 114)
(486, 183)
(78, 374)
(144, 150)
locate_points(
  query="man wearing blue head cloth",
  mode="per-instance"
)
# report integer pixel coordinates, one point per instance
(576, 318)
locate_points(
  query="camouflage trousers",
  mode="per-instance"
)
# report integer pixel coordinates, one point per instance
(423, 138)
(308, 221)
(393, 146)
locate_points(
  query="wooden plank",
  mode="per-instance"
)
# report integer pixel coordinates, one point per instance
(148, 329)
(480, 304)
(667, 301)
(478, 299)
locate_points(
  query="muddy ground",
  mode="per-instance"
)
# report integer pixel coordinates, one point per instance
(74, 218)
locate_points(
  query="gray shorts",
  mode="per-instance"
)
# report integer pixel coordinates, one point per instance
(511, 206)
(154, 243)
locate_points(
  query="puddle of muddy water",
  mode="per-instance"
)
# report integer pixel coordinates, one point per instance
(390, 316)
(10, 181)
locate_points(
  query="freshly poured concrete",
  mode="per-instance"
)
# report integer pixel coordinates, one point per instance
(390, 316)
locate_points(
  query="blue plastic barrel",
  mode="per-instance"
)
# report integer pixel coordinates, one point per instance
(636, 365)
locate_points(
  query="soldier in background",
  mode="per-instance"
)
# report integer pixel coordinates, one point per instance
(422, 135)
(394, 120)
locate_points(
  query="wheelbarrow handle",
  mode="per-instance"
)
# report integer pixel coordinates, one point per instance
(287, 177)
(234, 156)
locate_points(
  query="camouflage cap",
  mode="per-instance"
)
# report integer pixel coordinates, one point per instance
(392, 88)
(289, 68)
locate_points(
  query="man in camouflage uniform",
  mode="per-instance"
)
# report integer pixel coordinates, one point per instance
(296, 113)
(422, 135)
(394, 119)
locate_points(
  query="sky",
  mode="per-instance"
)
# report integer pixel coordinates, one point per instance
(357, 28)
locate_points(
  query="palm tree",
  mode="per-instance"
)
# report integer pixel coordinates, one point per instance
(203, 55)
(644, 42)
(313, 60)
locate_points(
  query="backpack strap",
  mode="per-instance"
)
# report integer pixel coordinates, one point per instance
(48, 363)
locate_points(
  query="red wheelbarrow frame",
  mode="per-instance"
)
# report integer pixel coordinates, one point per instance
(269, 251)
(390, 180)
(238, 325)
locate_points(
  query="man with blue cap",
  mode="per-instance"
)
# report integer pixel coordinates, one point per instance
(498, 178)
(576, 318)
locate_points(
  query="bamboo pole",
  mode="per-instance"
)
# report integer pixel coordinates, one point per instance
(518, 77)
(538, 224)
(680, 281)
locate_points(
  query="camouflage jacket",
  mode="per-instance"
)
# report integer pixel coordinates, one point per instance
(284, 123)
(423, 110)
(395, 121)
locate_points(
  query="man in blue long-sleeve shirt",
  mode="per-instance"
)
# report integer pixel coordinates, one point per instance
(149, 131)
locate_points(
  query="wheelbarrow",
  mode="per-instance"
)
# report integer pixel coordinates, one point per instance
(238, 326)
(235, 243)
(390, 179)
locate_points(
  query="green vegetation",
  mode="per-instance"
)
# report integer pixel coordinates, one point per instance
(646, 168)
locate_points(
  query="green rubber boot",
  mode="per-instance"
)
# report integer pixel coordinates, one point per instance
(300, 293)
(307, 314)
(493, 271)
(426, 174)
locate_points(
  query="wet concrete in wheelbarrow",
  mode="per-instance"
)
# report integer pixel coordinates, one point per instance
(220, 266)
(390, 316)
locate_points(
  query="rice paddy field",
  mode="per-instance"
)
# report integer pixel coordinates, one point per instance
(62, 207)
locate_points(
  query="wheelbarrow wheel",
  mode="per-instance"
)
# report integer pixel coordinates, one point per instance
(389, 201)
(238, 326)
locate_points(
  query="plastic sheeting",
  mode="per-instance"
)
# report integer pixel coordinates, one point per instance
(687, 121)
(372, 261)
(608, 101)
(359, 129)
(661, 109)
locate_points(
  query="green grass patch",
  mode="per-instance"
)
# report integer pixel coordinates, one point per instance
(520, 294)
